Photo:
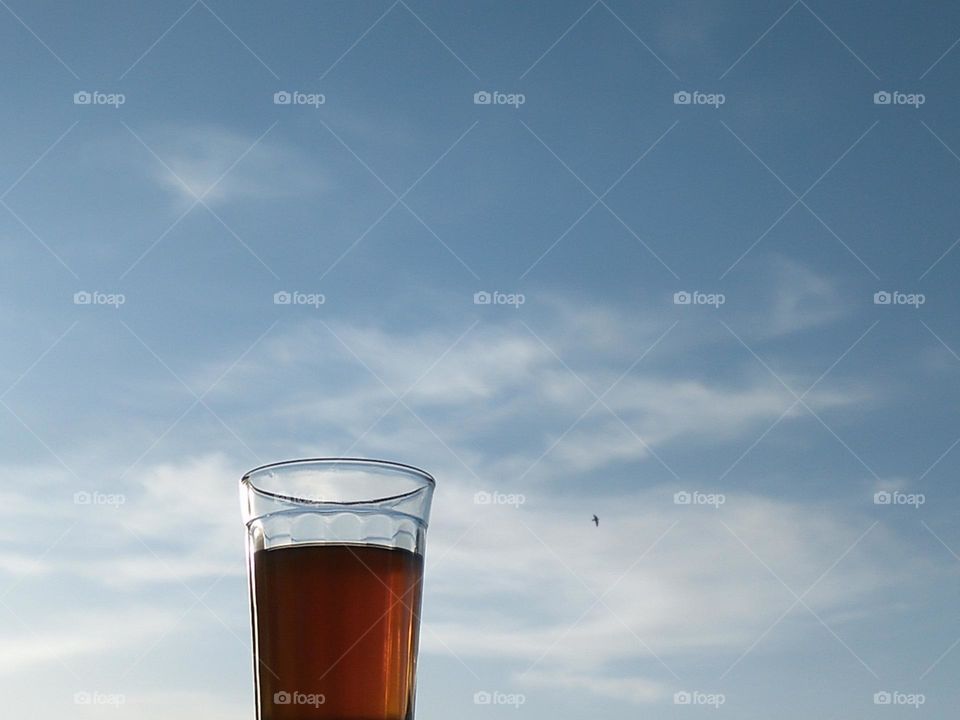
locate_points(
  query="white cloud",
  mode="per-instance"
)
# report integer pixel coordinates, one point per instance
(636, 690)
(233, 164)
(503, 584)
(801, 298)
(178, 522)
(522, 584)
(502, 397)
(20, 565)
(185, 704)
(72, 637)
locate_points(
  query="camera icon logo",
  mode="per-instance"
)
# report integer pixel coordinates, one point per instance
(482, 697)
(482, 498)
(682, 498)
(82, 298)
(82, 498)
(882, 98)
(682, 698)
(882, 698)
(282, 298)
(682, 98)
(282, 697)
(882, 298)
(681, 298)
(282, 97)
(882, 498)
(82, 698)
(82, 98)
(482, 98)
(482, 298)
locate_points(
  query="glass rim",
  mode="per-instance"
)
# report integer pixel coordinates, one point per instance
(428, 481)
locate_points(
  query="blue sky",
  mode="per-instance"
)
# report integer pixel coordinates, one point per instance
(784, 391)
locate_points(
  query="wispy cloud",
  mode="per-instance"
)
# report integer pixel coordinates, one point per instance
(511, 390)
(635, 690)
(700, 590)
(69, 639)
(559, 601)
(225, 165)
(802, 298)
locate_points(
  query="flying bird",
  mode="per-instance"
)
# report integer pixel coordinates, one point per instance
(596, 521)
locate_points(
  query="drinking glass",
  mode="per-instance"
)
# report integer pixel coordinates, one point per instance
(335, 564)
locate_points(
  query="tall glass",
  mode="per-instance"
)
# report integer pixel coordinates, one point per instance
(335, 562)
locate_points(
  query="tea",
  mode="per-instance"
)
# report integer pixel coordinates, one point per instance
(335, 631)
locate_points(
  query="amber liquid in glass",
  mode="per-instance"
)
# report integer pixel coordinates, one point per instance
(335, 631)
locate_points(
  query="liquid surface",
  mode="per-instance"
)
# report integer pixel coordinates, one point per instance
(335, 631)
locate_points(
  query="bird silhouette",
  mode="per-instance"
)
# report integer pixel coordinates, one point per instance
(596, 521)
